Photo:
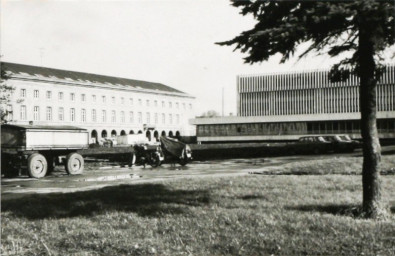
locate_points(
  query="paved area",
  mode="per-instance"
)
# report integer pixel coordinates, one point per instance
(96, 176)
(99, 174)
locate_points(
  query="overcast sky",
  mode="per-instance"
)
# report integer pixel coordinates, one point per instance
(167, 41)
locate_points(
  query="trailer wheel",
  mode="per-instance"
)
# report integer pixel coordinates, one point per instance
(74, 164)
(183, 162)
(7, 168)
(131, 159)
(37, 166)
(154, 160)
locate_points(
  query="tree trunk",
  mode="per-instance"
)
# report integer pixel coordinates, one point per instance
(371, 204)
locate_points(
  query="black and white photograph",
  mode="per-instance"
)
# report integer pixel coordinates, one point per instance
(197, 127)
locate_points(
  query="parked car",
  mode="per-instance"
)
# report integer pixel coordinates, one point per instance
(341, 143)
(312, 144)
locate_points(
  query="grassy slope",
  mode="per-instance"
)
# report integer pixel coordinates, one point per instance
(336, 165)
(252, 215)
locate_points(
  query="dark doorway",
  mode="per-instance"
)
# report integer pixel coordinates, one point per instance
(94, 135)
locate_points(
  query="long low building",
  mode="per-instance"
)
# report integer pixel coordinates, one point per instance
(104, 105)
(286, 106)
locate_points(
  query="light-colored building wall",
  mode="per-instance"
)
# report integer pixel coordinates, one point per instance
(308, 93)
(146, 106)
(285, 106)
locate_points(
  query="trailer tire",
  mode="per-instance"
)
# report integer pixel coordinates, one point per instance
(74, 164)
(154, 160)
(132, 159)
(37, 166)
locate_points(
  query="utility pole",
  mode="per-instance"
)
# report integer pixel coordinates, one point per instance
(222, 101)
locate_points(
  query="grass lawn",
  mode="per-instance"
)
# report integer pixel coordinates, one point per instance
(249, 215)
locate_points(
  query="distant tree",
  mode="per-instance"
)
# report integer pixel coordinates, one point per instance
(5, 97)
(210, 113)
(363, 29)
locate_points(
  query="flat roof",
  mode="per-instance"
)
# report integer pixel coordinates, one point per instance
(285, 118)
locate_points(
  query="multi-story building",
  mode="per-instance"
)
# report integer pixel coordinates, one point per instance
(104, 105)
(285, 106)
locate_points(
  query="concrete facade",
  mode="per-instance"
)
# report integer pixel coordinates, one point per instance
(285, 106)
(308, 93)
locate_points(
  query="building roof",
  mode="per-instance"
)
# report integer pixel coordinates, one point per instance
(80, 77)
(41, 127)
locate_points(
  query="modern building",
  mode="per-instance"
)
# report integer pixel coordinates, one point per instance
(104, 105)
(285, 106)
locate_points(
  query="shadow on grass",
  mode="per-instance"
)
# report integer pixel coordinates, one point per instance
(251, 197)
(342, 210)
(144, 199)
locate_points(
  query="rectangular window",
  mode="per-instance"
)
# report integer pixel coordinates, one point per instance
(147, 102)
(113, 100)
(72, 115)
(131, 101)
(36, 94)
(122, 100)
(93, 115)
(131, 117)
(140, 102)
(103, 99)
(140, 117)
(36, 113)
(49, 95)
(10, 114)
(163, 119)
(148, 116)
(103, 116)
(190, 106)
(49, 114)
(94, 98)
(156, 103)
(60, 95)
(170, 118)
(23, 93)
(163, 104)
(177, 118)
(23, 112)
(72, 96)
(170, 104)
(61, 114)
(113, 116)
(177, 105)
(83, 97)
(156, 118)
(122, 116)
(83, 115)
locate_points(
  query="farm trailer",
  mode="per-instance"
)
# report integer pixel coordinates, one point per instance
(38, 148)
